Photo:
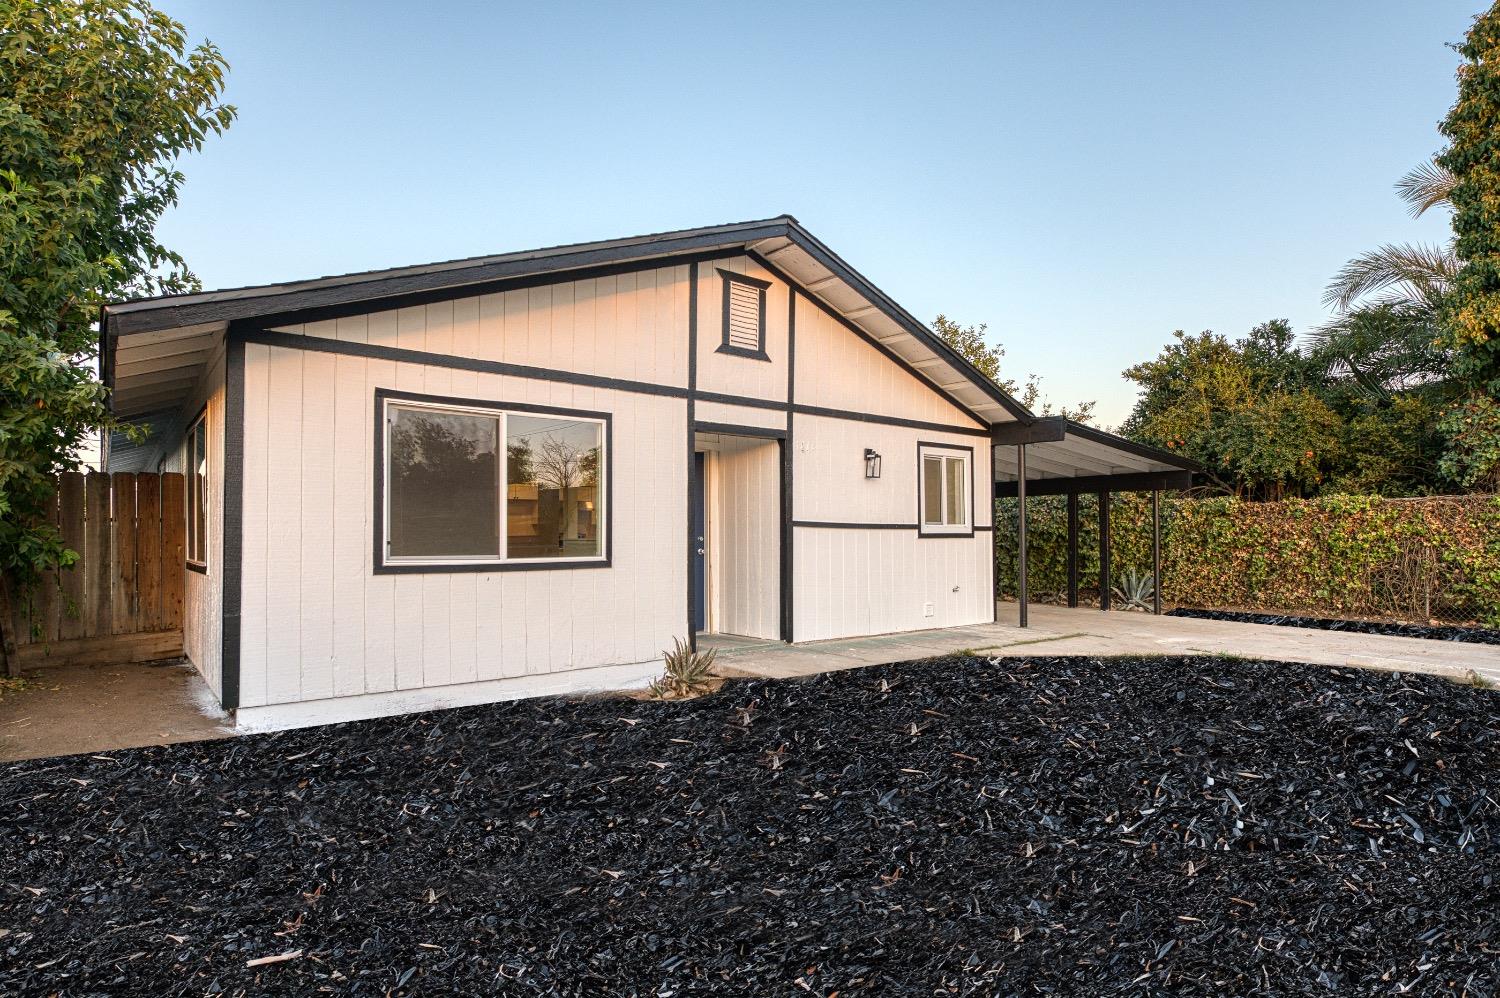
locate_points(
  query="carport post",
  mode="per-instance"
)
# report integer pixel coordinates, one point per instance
(1073, 550)
(1156, 551)
(1104, 550)
(1021, 531)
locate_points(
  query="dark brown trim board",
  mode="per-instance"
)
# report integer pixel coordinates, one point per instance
(739, 430)
(788, 460)
(1142, 481)
(295, 341)
(691, 467)
(832, 525)
(233, 518)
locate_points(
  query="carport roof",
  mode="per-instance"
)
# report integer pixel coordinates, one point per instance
(1064, 456)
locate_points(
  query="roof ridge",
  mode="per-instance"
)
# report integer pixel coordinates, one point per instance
(458, 263)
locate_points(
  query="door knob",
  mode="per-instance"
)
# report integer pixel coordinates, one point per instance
(700, 550)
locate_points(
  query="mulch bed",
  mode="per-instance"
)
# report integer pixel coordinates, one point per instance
(1473, 635)
(1039, 826)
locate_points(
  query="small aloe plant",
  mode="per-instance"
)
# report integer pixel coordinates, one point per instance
(1136, 589)
(688, 673)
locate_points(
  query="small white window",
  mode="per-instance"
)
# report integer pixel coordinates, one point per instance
(481, 485)
(945, 489)
(196, 480)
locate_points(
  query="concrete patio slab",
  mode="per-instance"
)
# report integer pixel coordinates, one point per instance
(71, 709)
(1060, 631)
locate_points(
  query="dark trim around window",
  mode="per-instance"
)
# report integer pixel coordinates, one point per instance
(725, 346)
(379, 564)
(922, 530)
(192, 513)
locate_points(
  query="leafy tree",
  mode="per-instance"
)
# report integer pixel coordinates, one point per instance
(1472, 458)
(1472, 311)
(97, 100)
(973, 346)
(1266, 420)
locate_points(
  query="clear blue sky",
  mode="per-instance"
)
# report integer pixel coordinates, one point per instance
(1084, 177)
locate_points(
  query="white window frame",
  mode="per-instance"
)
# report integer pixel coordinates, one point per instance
(945, 453)
(197, 559)
(499, 411)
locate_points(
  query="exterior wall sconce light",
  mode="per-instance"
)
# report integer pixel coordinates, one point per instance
(872, 464)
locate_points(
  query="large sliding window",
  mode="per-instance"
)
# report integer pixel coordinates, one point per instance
(945, 489)
(471, 484)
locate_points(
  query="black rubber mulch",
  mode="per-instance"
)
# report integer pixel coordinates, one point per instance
(1042, 826)
(1473, 635)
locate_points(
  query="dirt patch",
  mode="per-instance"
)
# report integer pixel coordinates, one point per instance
(964, 826)
(70, 709)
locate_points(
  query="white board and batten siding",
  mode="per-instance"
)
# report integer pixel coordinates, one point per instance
(849, 581)
(744, 525)
(324, 637)
(319, 624)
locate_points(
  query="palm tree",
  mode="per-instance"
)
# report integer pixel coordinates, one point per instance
(1386, 302)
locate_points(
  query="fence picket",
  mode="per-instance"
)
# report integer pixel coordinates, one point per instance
(122, 591)
(148, 544)
(129, 532)
(70, 496)
(98, 578)
(173, 549)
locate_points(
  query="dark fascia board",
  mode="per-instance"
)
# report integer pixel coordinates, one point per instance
(124, 318)
(1044, 429)
(242, 303)
(811, 245)
(1143, 481)
(1076, 429)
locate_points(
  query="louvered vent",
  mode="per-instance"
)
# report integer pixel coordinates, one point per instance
(743, 332)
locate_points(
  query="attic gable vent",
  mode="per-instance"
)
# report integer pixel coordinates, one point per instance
(744, 316)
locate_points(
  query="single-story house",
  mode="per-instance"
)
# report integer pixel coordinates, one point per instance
(505, 475)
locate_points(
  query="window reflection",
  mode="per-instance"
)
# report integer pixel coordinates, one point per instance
(553, 506)
(444, 484)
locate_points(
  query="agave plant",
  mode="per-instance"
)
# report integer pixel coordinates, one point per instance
(1136, 590)
(687, 672)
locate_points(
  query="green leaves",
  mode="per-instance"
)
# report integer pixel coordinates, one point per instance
(1472, 311)
(1337, 555)
(98, 98)
(1473, 456)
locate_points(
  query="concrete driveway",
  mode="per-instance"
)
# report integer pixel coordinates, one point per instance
(1059, 631)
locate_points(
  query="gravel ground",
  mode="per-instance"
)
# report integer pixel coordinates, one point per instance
(960, 826)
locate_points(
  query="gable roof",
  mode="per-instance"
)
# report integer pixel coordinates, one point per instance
(158, 340)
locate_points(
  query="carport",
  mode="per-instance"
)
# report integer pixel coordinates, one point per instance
(1052, 456)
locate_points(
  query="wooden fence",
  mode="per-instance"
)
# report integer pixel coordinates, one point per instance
(122, 600)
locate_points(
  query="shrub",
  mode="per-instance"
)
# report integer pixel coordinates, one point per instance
(1344, 555)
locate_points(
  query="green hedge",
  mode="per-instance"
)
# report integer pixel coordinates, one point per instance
(1433, 558)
